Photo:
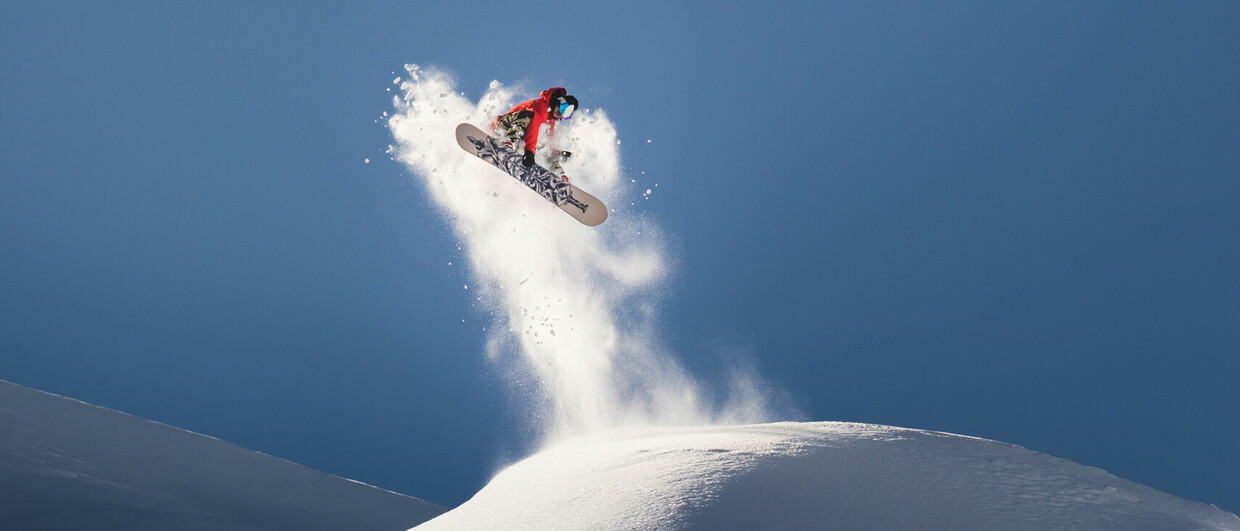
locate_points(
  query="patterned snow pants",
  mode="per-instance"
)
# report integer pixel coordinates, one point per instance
(511, 128)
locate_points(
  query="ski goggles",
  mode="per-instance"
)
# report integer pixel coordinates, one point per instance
(566, 110)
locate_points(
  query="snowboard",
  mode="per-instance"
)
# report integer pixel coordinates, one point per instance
(577, 203)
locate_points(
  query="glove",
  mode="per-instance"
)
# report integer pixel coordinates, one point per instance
(528, 159)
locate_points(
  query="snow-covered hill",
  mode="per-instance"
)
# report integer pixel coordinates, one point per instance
(65, 464)
(813, 476)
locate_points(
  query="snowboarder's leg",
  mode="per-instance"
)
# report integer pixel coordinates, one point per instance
(557, 169)
(556, 157)
(511, 127)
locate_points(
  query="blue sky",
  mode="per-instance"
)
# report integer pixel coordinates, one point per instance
(1008, 220)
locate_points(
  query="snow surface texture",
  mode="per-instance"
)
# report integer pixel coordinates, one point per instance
(813, 476)
(65, 464)
(573, 306)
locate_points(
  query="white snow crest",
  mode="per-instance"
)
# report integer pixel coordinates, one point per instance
(573, 317)
(823, 475)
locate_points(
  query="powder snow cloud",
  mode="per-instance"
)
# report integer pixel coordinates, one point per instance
(574, 307)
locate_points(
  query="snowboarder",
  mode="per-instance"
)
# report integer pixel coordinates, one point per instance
(522, 123)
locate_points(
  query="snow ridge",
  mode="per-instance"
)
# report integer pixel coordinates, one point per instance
(823, 475)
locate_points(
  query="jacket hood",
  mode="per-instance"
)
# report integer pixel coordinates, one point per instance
(550, 94)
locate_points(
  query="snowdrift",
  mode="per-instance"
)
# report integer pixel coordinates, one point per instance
(813, 476)
(69, 465)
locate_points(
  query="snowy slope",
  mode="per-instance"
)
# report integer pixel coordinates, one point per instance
(813, 476)
(65, 464)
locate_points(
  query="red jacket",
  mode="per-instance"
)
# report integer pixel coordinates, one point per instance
(541, 107)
